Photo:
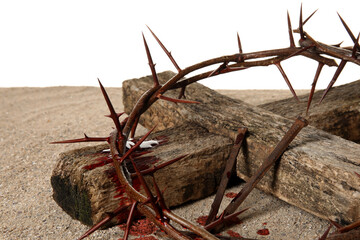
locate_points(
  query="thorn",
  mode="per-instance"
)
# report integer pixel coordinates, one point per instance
(113, 114)
(310, 16)
(165, 50)
(160, 166)
(302, 35)
(324, 236)
(348, 30)
(241, 58)
(104, 221)
(357, 174)
(317, 74)
(218, 70)
(292, 43)
(175, 100)
(287, 80)
(337, 45)
(182, 93)
(151, 64)
(85, 139)
(338, 226)
(160, 197)
(333, 80)
(118, 115)
(129, 220)
(356, 46)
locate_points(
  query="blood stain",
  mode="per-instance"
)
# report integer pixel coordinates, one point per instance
(146, 238)
(141, 227)
(231, 195)
(263, 232)
(233, 234)
(202, 220)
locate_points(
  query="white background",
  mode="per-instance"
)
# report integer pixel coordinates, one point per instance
(69, 42)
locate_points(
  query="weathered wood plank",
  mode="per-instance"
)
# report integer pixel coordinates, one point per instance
(338, 114)
(316, 173)
(87, 195)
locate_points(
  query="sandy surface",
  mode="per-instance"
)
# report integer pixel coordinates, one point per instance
(30, 118)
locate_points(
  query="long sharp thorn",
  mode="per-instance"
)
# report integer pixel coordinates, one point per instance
(287, 81)
(317, 74)
(302, 35)
(223, 219)
(148, 192)
(226, 175)
(104, 221)
(182, 93)
(291, 37)
(151, 64)
(241, 58)
(324, 236)
(357, 174)
(333, 80)
(113, 115)
(129, 220)
(159, 195)
(352, 36)
(85, 139)
(165, 50)
(310, 16)
(356, 46)
(175, 100)
(160, 166)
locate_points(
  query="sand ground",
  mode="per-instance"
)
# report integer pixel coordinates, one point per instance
(30, 118)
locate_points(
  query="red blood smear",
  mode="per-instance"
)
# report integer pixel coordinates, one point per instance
(146, 238)
(202, 220)
(265, 223)
(233, 234)
(141, 227)
(231, 195)
(263, 232)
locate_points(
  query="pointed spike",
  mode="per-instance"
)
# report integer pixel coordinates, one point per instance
(133, 129)
(160, 197)
(335, 224)
(175, 100)
(129, 220)
(302, 35)
(113, 114)
(85, 139)
(307, 19)
(356, 46)
(182, 93)
(357, 174)
(160, 166)
(317, 74)
(291, 37)
(104, 221)
(219, 69)
(324, 236)
(333, 80)
(348, 30)
(338, 44)
(241, 58)
(287, 81)
(146, 188)
(151, 64)
(165, 50)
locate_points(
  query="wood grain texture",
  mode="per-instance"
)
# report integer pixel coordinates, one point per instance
(338, 114)
(316, 173)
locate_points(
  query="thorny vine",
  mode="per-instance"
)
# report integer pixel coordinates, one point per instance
(153, 206)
